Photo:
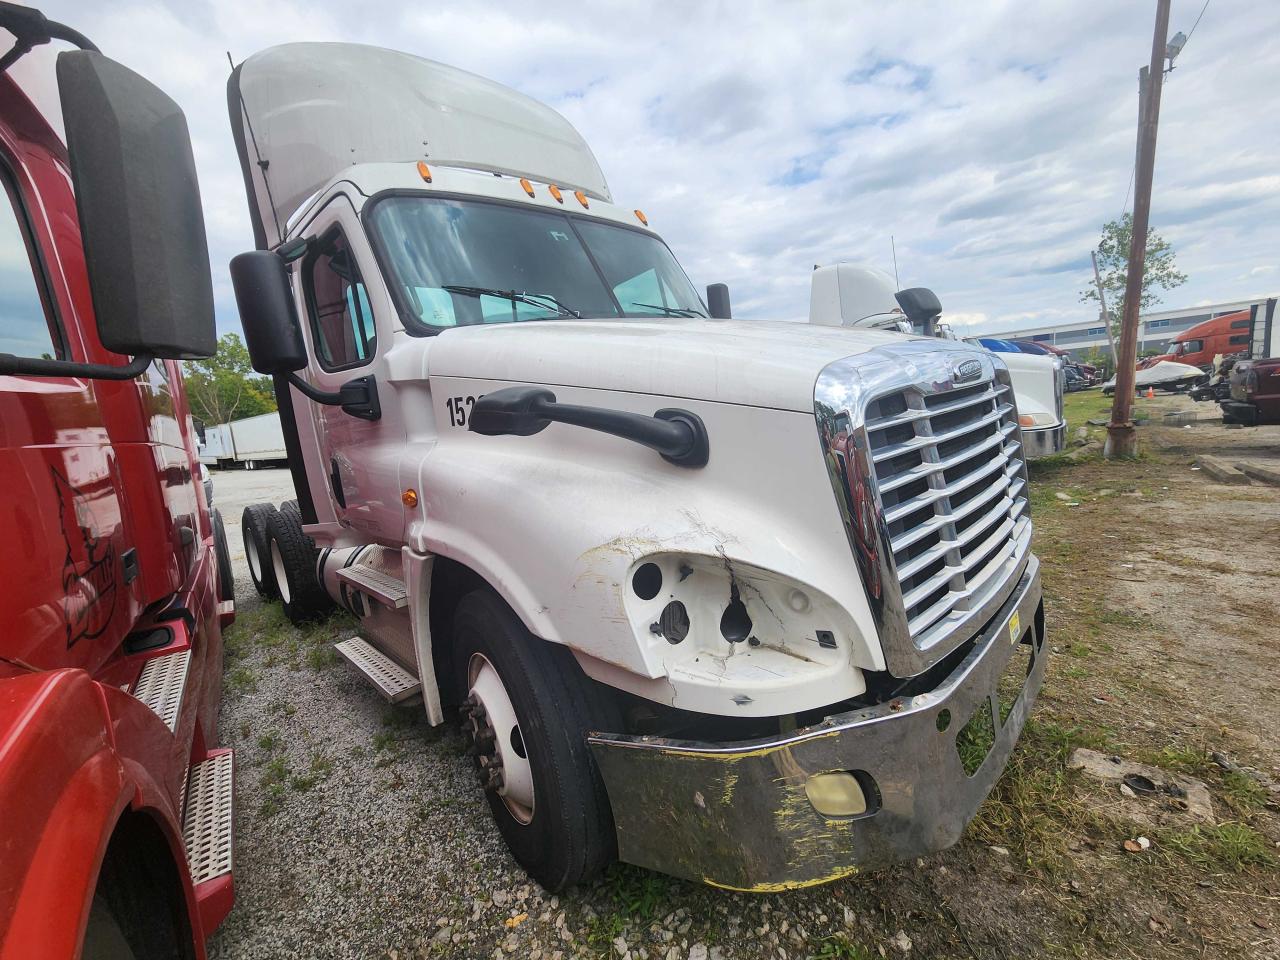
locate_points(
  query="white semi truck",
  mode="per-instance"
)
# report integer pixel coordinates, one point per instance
(716, 598)
(249, 442)
(856, 295)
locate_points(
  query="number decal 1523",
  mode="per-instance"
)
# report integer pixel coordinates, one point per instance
(459, 409)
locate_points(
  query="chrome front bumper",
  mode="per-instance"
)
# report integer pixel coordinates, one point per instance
(737, 815)
(1045, 441)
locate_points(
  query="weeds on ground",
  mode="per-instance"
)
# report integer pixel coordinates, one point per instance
(1232, 845)
(636, 897)
(839, 947)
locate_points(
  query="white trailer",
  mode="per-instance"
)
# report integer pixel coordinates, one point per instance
(251, 443)
(713, 597)
(855, 295)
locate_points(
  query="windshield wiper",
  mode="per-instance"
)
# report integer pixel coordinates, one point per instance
(671, 311)
(533, 299)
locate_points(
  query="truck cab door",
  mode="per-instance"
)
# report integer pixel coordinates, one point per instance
(348, 323)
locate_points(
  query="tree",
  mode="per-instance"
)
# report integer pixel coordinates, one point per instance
(224, 387)
(1159, 271)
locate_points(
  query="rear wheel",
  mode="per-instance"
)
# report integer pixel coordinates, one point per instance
(527, 711)
(226, 576)
(253, 526)
(293, 561)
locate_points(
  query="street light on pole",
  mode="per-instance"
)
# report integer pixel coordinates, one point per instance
(1122, 439)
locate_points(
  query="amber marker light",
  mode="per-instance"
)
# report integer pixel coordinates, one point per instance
(555, 192)
(582, 198)
(409, 498)
(424, 171)
(528, 187)
(642, 218)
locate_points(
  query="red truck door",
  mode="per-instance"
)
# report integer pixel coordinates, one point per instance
(70, 590)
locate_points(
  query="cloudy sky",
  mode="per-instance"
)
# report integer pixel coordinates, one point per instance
(991, 139)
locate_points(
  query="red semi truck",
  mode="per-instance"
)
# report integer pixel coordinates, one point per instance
(115, 801)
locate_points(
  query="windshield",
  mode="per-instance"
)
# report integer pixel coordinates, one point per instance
(458, 262)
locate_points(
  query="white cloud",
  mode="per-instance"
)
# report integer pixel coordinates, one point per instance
(992, 141)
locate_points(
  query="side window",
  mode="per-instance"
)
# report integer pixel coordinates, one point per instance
(341, 317)
(1192, 346)
(1240, 338)
(27, 325)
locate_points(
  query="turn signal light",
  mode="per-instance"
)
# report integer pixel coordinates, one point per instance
(555, 192)
(642, 218)
(1037, 420)
(582, 198)
(424, 171)
(409, 498)
(528, 187)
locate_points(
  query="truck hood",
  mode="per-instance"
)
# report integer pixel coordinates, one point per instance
(753, 363)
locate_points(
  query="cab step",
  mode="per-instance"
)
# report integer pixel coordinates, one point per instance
(206, 817)
(384, 587)
(162, 683)
(392, 680)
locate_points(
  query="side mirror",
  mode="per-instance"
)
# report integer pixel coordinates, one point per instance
(139, 208)
(922, 307)
(718, 301)
(267, 312)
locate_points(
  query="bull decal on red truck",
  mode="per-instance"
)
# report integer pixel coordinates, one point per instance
(89, 568)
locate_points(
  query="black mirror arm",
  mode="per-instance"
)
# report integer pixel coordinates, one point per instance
(358, 397)
(37, 367)
(678, 435)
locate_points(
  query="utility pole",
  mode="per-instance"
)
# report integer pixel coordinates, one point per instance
(1122, 439)
(1102, 307)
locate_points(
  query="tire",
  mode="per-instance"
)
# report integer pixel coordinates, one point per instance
(103, 938)
(226, 576)
(253, 526)
(567, 835)
(293, 558)
(291, 506)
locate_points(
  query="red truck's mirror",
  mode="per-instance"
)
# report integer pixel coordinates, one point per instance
(139, 205)
(267, 312)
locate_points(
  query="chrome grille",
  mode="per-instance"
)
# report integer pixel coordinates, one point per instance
(948, 467)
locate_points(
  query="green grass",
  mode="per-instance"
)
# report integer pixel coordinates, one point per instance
(840, 947)
(1229, 845)
(242, 680)
(974, 741)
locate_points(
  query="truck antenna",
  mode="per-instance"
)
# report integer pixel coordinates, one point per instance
(262, 164)
(895, 262)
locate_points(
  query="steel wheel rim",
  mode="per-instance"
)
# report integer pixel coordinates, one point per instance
(486, 686)
(277, 564)
(255, 561)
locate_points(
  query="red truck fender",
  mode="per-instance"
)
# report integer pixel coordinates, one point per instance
(63, 791)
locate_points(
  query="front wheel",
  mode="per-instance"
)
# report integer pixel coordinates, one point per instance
(527, 712)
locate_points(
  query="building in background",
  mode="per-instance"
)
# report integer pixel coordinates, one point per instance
(1155, 330)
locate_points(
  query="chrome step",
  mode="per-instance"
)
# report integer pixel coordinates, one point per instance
(392, 680)
(383, 587)
(162, 683)
(206, 817)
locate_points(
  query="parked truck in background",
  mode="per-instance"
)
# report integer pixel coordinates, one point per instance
(713, 597)
(115, 800)
(855, 295)
(1252, 384)
(251, 442)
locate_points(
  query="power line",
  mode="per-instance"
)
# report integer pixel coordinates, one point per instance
(1196, 24)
